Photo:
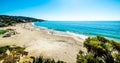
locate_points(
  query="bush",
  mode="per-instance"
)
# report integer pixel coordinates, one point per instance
(3, 49)
(2, 31)
(42, 60)
(14, 54)
(18, 55)
(100, 50)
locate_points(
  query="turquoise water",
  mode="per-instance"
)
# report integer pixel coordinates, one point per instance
(109, 29)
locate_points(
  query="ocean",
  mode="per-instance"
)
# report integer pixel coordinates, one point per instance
(108, 29)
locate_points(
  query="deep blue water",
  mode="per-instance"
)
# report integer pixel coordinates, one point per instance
(109, 29)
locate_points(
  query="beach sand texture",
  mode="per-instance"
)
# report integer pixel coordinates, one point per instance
(39, 42)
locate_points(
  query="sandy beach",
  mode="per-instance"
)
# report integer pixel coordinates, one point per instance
(38, 42)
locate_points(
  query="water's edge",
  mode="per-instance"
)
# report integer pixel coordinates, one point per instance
(78, 37)
(67, 33)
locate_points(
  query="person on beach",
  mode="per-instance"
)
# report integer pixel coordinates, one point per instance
(52, 32)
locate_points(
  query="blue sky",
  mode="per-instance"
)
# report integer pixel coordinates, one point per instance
(63, 9)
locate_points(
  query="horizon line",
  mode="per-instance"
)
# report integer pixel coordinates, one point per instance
(81, 20)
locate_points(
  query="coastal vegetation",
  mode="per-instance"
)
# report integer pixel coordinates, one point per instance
(100, 50)
(41, 60)
(6, 20)
(2, 31)
(16, 54)
(12, 54)
(8, 32)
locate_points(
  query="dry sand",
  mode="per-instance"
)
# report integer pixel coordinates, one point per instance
(39, 43)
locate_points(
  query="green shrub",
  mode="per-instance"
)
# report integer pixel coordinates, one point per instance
(3, 49)
(116, 45)
(43, 60)
(14, 56)
(100, 50)
(2, 31)
(16, 52)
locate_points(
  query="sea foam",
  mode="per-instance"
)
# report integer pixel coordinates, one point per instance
(76, 36)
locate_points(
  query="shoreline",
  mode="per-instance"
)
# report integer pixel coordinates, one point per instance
(40, 43)
(76, 36)
(89, 30)
(67, 33)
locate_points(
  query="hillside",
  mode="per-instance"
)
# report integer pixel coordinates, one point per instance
(6, 20)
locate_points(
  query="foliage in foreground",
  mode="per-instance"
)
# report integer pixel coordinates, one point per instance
(100, 50)
(15, 54)
(41, 60)
(11, 54)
